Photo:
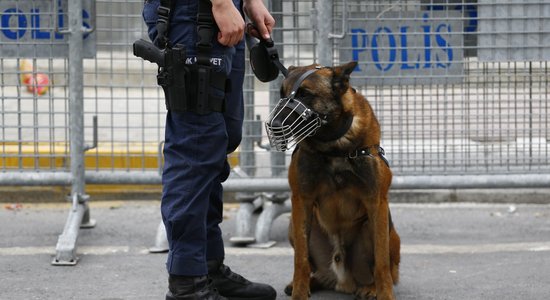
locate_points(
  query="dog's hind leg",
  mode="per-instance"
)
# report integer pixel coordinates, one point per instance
(395, 257)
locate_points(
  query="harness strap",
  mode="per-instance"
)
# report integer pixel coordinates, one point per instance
(206, 28)
(205, 31)
(299, 81)
(163, 23)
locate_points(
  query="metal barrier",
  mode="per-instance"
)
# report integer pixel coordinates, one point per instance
(460, 87)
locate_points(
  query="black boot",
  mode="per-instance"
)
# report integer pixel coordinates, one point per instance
(234, 287)
(191, 288)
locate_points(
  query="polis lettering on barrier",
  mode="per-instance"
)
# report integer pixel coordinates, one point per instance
(36, 31)
(443, 54)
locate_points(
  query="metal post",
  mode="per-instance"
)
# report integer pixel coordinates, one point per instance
(277, 158)
(273, 206)
(324, 29)
(251, 133)
(249, 201)
(79, 214)
(247, 158)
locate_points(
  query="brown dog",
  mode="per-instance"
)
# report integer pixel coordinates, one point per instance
(341, 228)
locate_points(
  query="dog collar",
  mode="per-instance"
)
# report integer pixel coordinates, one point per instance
(366, 151)
(369, 151)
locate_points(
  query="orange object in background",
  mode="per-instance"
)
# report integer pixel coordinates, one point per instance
(36, 83)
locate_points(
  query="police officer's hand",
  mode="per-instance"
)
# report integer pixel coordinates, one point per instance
(229, 21)
(260, 17)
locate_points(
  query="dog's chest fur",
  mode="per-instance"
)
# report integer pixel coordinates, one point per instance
(341, 189)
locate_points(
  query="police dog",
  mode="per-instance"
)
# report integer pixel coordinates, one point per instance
(341, 228)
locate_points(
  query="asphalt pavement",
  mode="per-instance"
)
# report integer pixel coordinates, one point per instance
(449, 251)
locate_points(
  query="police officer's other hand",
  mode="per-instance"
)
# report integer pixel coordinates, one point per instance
(260, 16)
(229, 21)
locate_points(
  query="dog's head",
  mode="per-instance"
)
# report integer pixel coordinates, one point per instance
(310, 106)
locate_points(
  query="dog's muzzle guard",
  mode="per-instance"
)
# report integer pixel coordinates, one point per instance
(291, 121)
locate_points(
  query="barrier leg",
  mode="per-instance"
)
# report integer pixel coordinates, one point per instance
(66, 244)
(273, 207)
(87, 222)
(250, 202)
(161, 241)
(79, 214)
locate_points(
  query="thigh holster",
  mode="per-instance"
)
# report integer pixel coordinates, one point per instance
(195, 88)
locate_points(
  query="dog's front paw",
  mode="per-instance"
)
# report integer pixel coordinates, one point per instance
(288, 289)
(385, 296)
(366, 293)
(299, 292)
(300, 295)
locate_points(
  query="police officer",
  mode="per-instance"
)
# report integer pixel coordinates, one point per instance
(195, 153)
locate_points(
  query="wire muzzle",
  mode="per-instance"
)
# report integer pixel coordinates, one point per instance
(290, 122)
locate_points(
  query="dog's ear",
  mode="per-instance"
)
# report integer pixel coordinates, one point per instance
(340, 79)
